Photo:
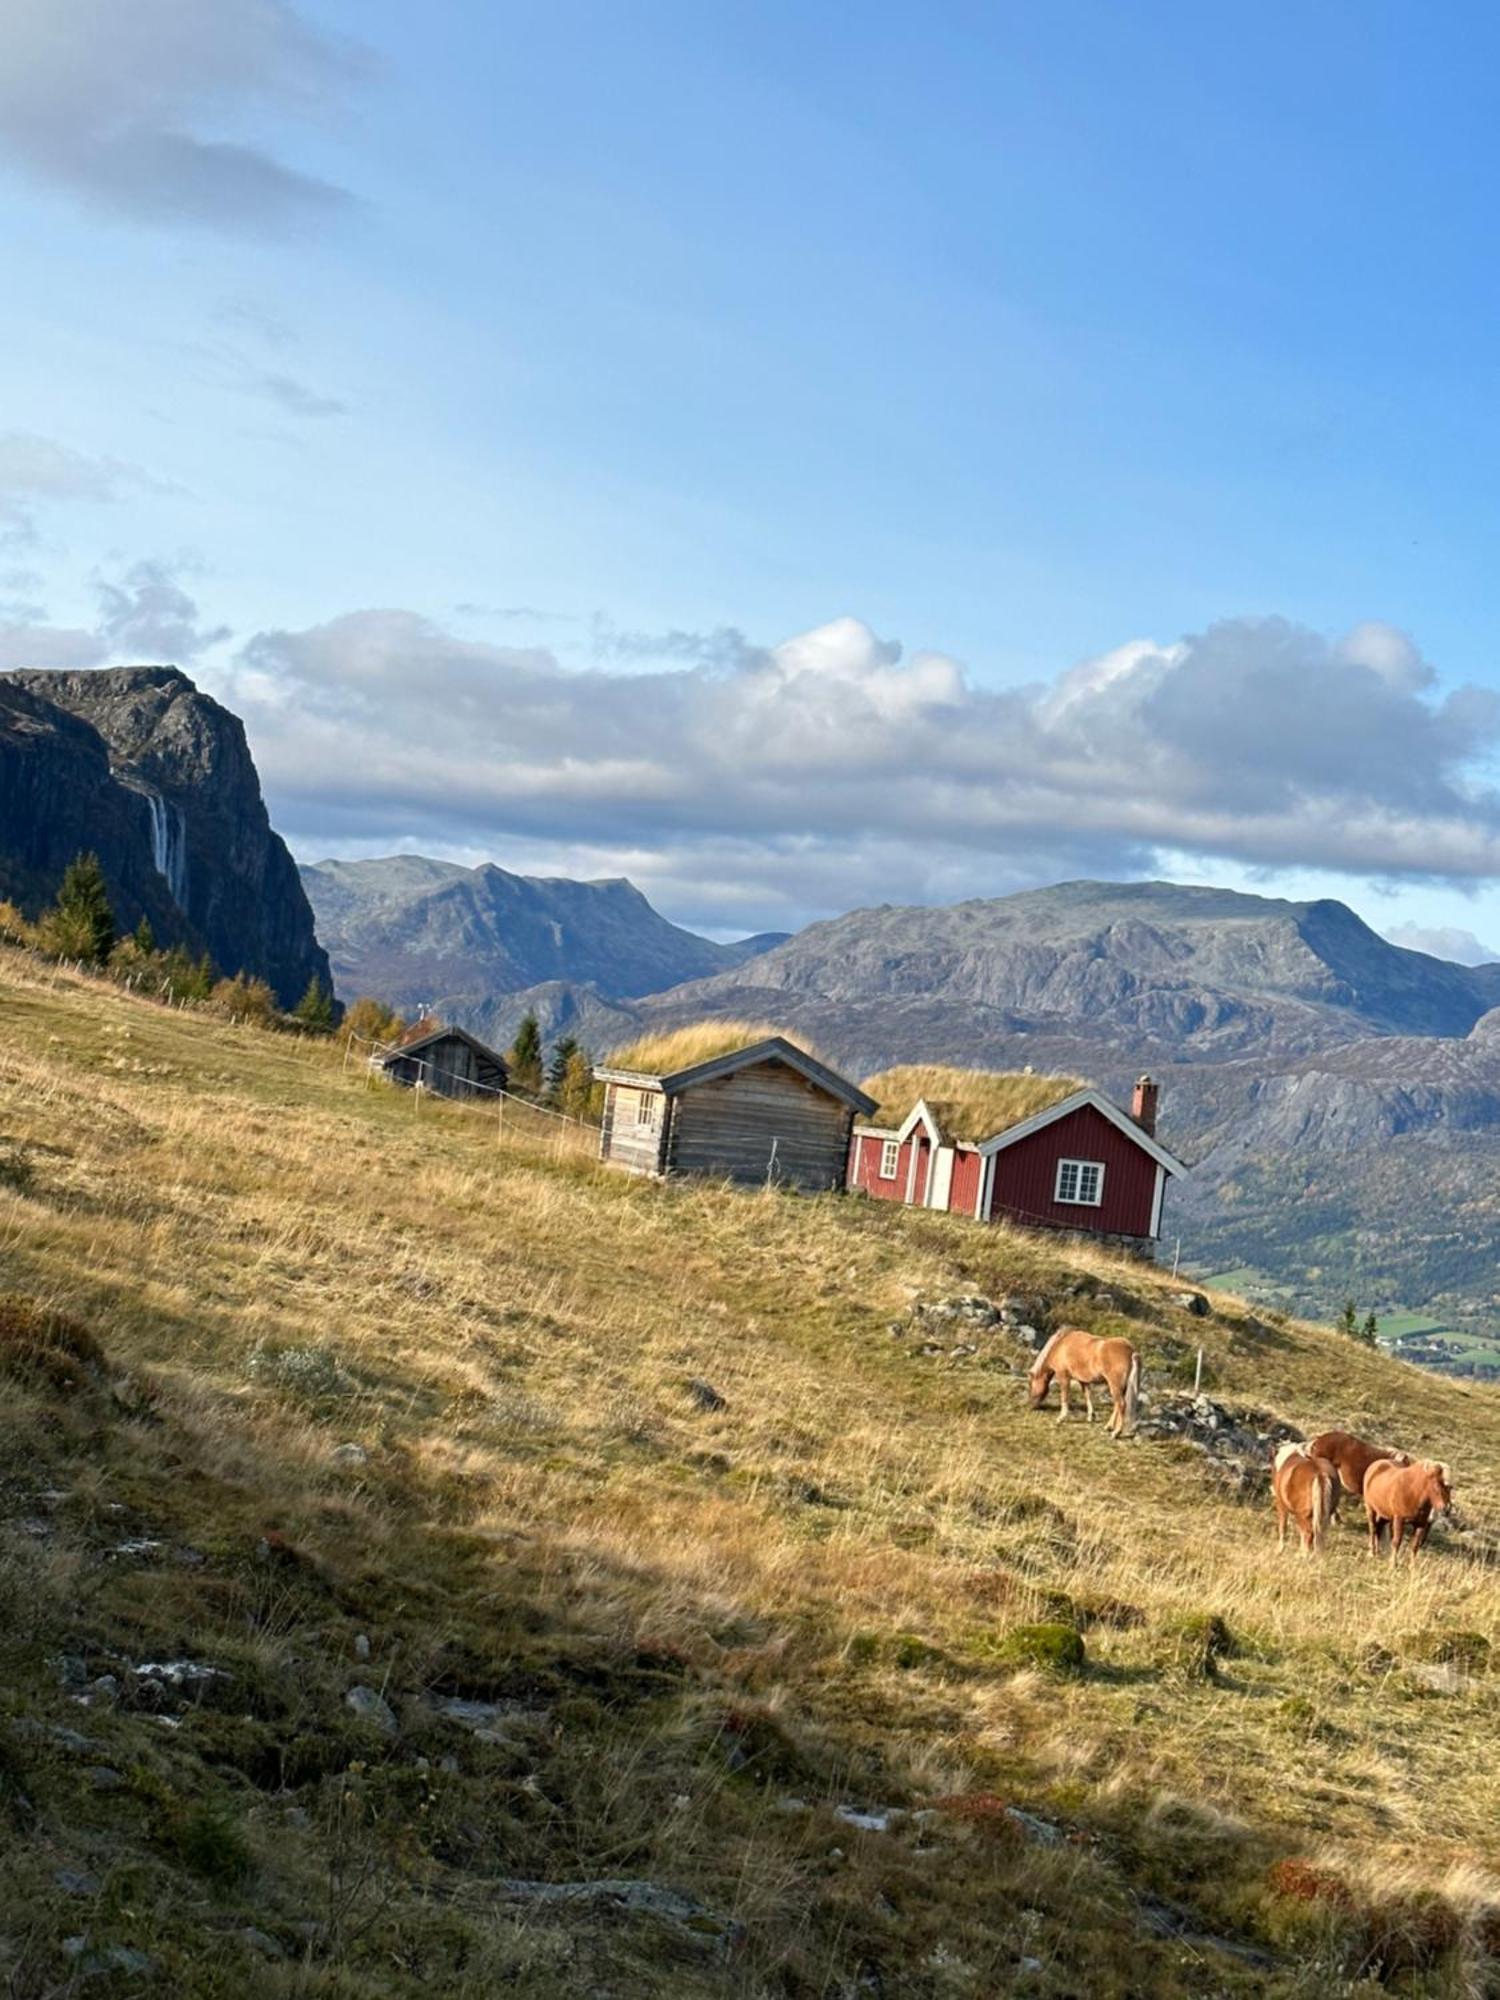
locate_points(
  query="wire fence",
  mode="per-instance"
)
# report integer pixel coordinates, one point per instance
(432, 1076)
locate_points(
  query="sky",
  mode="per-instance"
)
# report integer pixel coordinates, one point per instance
(794, 456)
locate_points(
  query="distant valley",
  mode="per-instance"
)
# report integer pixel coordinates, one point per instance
(1338, 1094)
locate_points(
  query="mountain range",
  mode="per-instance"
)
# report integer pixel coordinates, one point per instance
(483, 947)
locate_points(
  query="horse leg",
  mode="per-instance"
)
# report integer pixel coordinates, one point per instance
(1088, 1400)
(1373, 1523)
(1398, 1529)
(1117, 1409)
(1419, 1534)
(1280, 1527)
(1064, 1384)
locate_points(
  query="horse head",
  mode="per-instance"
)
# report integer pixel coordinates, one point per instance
(1439, 1487)
(1040, 1381)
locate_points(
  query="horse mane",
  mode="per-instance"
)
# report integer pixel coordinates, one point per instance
(1052, 1340)
(1290, 1449)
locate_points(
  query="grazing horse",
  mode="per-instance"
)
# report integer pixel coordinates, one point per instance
(1303, 1487)
(1075, 1356)
(1406, 1496)
(1351, 1458)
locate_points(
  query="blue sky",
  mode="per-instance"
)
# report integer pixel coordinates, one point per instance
(625, 384)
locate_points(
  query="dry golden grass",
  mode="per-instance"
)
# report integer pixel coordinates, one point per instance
(805, 1594)
(970, 1104)
(672, 1049)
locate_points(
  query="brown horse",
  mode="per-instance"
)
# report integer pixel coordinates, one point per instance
(1075, 1356)
(1405, 1496)
(1351, 1458)
(1303, 1487)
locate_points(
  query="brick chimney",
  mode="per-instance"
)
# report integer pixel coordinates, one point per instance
(1143, 1105)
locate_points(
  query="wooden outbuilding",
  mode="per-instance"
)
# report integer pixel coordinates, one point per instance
(450, 1061)
(764, 1111)
(1046, 1151)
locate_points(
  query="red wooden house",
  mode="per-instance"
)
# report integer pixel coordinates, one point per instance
(1050, 1152)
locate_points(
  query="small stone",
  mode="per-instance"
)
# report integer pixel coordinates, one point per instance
(350, 1454)
(103, 1779)
(261, 1941)
(362, 1646)
(298, 1818)
(448, 1766)
(373, 1708)
(1192, 1302)
(706, 1396)
(106, 1688)
(76, 1882)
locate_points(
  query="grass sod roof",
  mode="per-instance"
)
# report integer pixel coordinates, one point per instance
(674, 1049)
(969, 1104)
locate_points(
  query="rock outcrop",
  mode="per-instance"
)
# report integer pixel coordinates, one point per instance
(157, 778)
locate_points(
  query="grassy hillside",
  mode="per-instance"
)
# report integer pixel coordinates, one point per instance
(398, 1411)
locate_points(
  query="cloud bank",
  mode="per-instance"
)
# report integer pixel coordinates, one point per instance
(765, 784)
(130, 108)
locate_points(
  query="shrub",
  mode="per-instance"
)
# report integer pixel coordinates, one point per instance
(1469, 1651)
(206, 1838)
(245, 999)
(1054, 1648)
(371, 1020)
(41, 1346)
(14, 928)
(314, 1374)
(16, 1169)
(1193, 1645)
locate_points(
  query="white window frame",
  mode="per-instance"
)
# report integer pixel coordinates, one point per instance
(890, 1159)
(1075, 1171)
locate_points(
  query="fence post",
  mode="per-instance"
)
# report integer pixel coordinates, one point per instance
(1198, 1373)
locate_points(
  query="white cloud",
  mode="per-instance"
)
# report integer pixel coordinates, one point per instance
(834, 768)
(132, 107)
(1443, 941)
(35, 470)
(148, 616)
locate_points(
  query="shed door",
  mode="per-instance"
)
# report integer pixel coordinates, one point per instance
(940, 1193)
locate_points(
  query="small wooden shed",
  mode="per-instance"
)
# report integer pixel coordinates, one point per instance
(450, 1061)
(765, 1112)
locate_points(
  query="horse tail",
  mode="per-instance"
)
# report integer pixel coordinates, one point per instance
(1319, 1503)
(1132, 1388)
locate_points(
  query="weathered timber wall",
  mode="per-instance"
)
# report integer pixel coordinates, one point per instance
(763, 1122)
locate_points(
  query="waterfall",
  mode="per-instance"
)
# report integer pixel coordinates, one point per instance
(169, 845)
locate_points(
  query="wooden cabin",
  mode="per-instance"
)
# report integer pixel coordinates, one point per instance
(763, 1112)
(1046, 1151)
(450, 1061)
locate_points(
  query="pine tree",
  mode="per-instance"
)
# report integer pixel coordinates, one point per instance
(145, 938)
(563, 1052)
(1369, 1333)
(314, 1010)
(524, 1057)
(81, 923)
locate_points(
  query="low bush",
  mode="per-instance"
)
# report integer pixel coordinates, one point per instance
(47, 1348)
(1191, 1647)
(313, 1374)
(1469, 1651)
(1054, 1648)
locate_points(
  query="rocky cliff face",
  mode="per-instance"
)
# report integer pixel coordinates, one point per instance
(157, 778)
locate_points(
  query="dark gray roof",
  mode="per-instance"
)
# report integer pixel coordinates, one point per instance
(443, 1035)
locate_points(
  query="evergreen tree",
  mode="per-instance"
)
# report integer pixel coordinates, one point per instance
(524, 1057)
(145, 938)
(81, 923)
(1369, 1333)
(315, 1009)
(563, 1052)
(1349, 1319)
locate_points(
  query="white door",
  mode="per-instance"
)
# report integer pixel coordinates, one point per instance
(940, 1181)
